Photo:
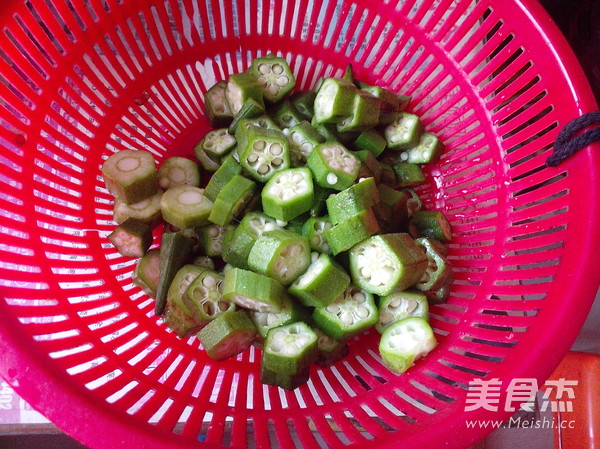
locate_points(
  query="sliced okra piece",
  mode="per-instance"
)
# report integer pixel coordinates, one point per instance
(333, 166)
(147, 210)
(327, 131)
(178, 316)
(227, 335)
(330, 351)
(130, 175)
(295, 224)
(285, 114)
(383, 263)
(218, 143)
(185, 207)
(364, 113)
(147, 272)
(302, 138)
(132, 238)
(349, 75)
(351, 313)
(370, 140)
(304, 102)
(288, 194)
(175, 249)
(216, 107)
(319, 206)
(388, 176)
(265, 152)
(390, 103)
(280, 254)
(286, 381)
(290, 349)
(343, 236)
(241, 87)
(442, 294)
(369, 167)
(334, 100)
(408, 175)
(204, 297)
(322, 282)
(274, 76)
(211, 239)
(392, 210)
(253, 291)
(291, 311)
(176, 171)
(204, 261)
(405, 341)
(314, 229)
(209, 163)
(438, 246)
(228, 169)
(250, 109)
(231, 200)
(238, 242)
(427, 151)
(431, 224)
(401, 304)
(404, 132)
(352, 200)
(438, 268)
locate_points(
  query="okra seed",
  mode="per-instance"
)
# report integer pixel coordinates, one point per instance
(209, 308)
(282, 80)
(315, 240)
(411, 306)
(346, 318)
(334, 165)
(276, 190)
(307, 147)
(327, 153)
(332, 178)
(277, 161)
(362, 311)
(386, 317)
(272, 89)
(213, 232)
(252, 158)
(224, 306)
(296, 138)
(271, 319)
(395, 303)
(264, 69)
(209, 282)
(359, 297)
(277, 346)
(297, 177)
(276, 149)
(263, 168)
(277, 69)
(259, 145)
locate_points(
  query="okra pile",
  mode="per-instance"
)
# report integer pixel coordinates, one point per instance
(308, 232)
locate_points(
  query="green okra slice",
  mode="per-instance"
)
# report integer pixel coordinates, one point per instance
(204, 261)
(334, 100)
(178, 316)
(431, 224)
(290, 349)
(237, 243)
(405, 341)
(442, 293)
(295, 224)
(314, 229)
(438, 268)
(229, 334)
(211, 239)
(343, 236)
(240, 87)
(274, 76)
(351, 313)
(130, 175)
(175, 249)
(408, 175)
(304, 102)
(147, 272)
(265, 152)
(250, 109)
(209, 163)
(352, 200)
(388, 176)
(327, 131)
(280, 254)
(288, 194)
(216, 108)
(204, 297)
(231, 200)
(392, 210)
(383, 263)
(319, 206)
(228, 169)
(427, 151)
(176, 171)
(401, 304)
(285, 114)
(291, 311)
(322, 282)
(132, 238)
(364, 113)
(285, 381)
(147, 210)
(302, 138)
(370, 140)
(330, 351)
(370, 166)
(253, 291)
(333, 166)
(185, 207)
(218, 143)
(404, 132)
(391, 103)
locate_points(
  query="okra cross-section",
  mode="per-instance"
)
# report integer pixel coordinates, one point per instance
(227, 335)
(302, 138)
(211, 239)
(438, 268)
(333, 166)
(204, 297)
(351, 313)
(291, 311)
(274, 76)
(401, 304)
(404, 132)
(132, 238)
(321, 284)
(253, 291)
(240, 87)
(176, 171)
(216, 108)
(386, 262)
(185, 207)
(146, 210)
(178, 316)
(290, 349)
(353, 200)
(288, 194)
(280, 254)
(314, 229)
(218, 142)
(427, 151)
(130, 175)
(405, 341)
(231, 200)
(431, 224)
(330, 350)
(264, 152)
(334, 100)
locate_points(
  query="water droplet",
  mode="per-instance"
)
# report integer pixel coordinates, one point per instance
(143, 98)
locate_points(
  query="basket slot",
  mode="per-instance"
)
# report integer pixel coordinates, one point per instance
(469, 32)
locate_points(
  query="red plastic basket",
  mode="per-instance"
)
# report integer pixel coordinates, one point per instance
(82, 79)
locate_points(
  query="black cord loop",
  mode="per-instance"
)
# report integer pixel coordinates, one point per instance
(567, 143)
